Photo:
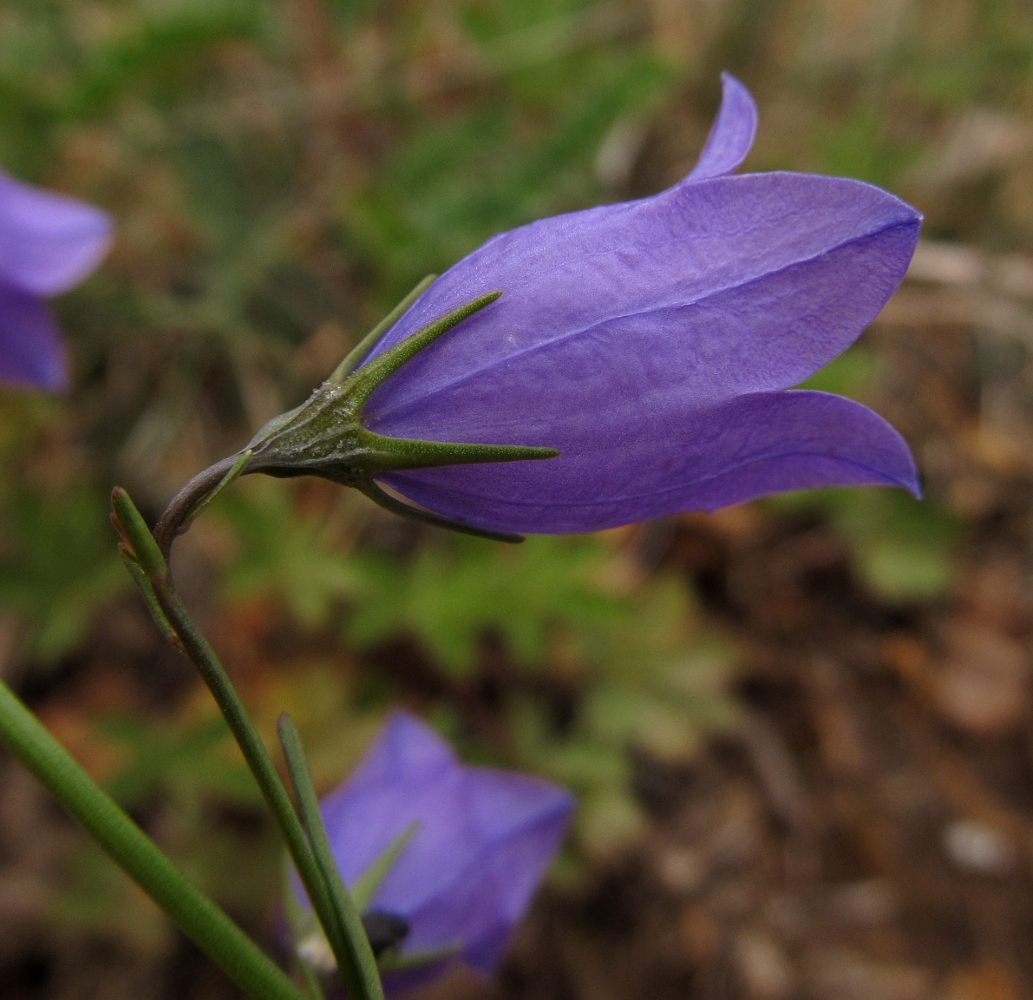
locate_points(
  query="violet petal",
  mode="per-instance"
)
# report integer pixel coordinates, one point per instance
(738, 284)
(732, 133)
(31, 351)
(48, 241)
(696, 460)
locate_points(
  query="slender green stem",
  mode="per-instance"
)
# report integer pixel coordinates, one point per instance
(199, 918)
(177, 514)
(238, 469)
(147, 592)
(196, 647)
(361, 975)
(255, 753)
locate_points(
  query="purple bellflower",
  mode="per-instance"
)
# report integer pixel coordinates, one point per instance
(617, 364)
(480, 842)
(48, 243)
(651, 343)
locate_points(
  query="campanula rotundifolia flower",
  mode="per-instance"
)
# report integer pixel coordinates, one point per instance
(654, 343)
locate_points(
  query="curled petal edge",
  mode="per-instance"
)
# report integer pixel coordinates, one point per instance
(732, 134)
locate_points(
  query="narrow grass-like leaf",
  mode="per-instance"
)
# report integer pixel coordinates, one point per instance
(358, 964)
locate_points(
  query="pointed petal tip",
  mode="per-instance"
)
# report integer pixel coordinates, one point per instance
(732, 133)
(855, 446)
(913, 484)
(409, 732)
(732, 86)
(903, 479)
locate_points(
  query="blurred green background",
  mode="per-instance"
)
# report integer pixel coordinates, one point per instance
(281, 172)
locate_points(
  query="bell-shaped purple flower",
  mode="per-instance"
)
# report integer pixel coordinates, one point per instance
(48, 243)
(482, 842)
(652, 343)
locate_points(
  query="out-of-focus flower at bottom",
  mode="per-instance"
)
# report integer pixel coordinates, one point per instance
(48, 243)
(480, 842)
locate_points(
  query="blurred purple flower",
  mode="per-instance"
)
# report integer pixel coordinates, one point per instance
(484, 840)
(652, 343)
(48, 243)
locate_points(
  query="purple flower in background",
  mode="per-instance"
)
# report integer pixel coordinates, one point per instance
(484, 839)
(652, 343)
(48, 243)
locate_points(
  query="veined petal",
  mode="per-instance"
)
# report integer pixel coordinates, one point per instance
(732, 133)
(719, 287)
(31, 351)
(703, 460)
(48, 241)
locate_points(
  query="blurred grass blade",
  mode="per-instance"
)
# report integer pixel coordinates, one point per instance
(358, 964)
(199, 918)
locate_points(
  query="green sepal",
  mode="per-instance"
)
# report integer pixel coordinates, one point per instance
(413, 453)
(325, 436)
(384, 499)
(362, 349)
(366, 885)
(364, 382)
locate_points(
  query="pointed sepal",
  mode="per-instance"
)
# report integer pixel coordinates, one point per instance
(364, 347)
(384, 499)
(325, 436)
(363, 383)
